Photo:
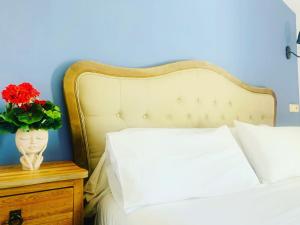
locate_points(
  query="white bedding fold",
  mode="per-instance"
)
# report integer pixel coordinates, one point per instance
(277, 204)
(96, 188)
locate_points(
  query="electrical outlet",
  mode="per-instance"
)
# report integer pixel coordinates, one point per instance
(294, 108)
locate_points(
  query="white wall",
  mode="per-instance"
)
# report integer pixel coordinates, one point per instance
(294, 5)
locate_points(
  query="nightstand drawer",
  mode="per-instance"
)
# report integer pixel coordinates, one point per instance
(45, 207)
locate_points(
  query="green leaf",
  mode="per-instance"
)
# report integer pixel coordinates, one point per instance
(53, 114)
(9, 117)
(7, 127)
(30, 117)
(36, 107)
(49, 105)
(56, 108)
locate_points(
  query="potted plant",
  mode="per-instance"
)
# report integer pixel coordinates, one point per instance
(30, 119)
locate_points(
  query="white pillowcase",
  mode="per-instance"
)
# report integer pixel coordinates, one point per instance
(274, 152)
(182, 130)
(165, 165)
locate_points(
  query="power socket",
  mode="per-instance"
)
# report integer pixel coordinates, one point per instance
(294, 108)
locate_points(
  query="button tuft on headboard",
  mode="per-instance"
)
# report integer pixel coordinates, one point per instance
(119, 115)
(179, 100)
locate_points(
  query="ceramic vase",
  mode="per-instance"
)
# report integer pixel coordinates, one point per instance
(31, 144)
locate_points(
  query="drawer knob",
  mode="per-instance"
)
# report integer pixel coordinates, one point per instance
(15, 218)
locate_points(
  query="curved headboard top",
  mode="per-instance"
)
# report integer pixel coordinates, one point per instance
(102, 98)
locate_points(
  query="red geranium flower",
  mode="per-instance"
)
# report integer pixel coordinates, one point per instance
(40, 102)
(19, 94)
(25, 107)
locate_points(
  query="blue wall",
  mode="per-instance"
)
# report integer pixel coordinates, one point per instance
(40, 39)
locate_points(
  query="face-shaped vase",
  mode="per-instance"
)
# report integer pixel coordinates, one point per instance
(31, 142)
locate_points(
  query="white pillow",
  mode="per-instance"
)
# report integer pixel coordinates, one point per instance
(181, 130)
(165, 165)
(274, 152)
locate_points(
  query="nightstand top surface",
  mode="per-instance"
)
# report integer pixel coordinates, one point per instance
(14, 176)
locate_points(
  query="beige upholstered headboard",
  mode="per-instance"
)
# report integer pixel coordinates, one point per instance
(102, 98)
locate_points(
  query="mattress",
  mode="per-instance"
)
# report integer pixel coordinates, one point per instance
(273, 204)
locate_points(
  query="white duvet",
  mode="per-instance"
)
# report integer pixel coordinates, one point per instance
(276, 204)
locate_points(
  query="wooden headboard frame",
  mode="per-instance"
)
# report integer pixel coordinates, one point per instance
(75, 70)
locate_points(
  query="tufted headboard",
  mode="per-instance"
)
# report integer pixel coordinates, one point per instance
(102, 98)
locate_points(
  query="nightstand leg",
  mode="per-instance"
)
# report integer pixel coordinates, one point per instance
(78, 202)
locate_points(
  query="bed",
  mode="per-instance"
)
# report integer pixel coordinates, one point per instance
(187, 94)
(274, 205)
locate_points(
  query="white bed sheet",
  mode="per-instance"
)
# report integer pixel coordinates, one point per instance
(276, 204)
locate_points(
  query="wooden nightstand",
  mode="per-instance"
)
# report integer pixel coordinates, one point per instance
(51, 195)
